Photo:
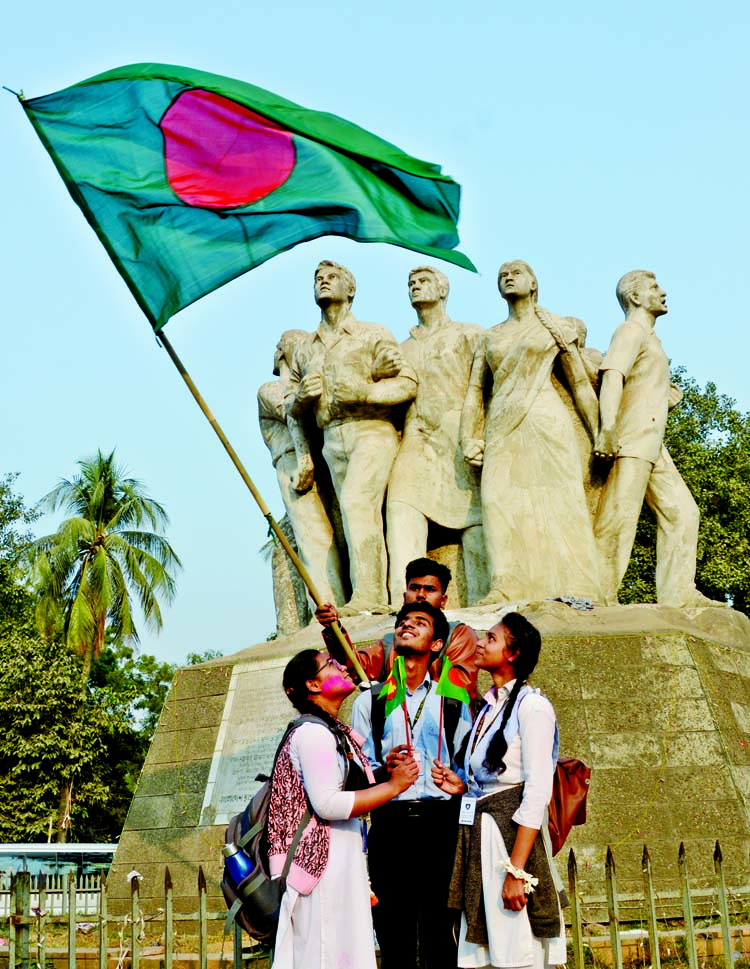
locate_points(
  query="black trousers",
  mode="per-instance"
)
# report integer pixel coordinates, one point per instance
(410, 849)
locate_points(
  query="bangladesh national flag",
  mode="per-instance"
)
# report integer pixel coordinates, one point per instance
(451, 682)
(191, 179)
(394, 688)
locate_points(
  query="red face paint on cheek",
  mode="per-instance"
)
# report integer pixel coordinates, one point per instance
(336, 683)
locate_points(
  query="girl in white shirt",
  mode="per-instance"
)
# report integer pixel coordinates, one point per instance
(325, 920)
(513, 742)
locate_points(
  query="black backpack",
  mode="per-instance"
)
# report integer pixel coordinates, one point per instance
(254, 902)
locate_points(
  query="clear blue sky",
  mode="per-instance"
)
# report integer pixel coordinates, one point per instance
(589, 139)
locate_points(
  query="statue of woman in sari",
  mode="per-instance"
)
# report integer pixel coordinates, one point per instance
(537, 528)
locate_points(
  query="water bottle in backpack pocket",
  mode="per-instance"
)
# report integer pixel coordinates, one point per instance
(253, 899)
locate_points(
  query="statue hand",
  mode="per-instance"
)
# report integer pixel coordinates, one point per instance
(351, 391)
(387, 363)
(675, 396)
(310, 388)
(606, 445)
(474, 453)
(304, 476)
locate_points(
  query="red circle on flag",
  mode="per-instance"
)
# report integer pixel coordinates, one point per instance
(219, 154)
(455, 676)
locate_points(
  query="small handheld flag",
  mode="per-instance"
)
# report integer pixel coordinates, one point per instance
(394, 688)
(451, 682)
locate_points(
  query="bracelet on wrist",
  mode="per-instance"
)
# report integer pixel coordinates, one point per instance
(529, 881)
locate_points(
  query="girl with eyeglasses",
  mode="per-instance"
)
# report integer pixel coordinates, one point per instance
(325, 919)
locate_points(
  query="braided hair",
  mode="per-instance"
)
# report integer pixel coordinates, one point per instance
(520, 635)
(549, 322)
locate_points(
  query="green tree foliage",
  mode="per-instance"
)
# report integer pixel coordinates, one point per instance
(709, 440)
(15, 600)
(110, 548)
(66, 753)
(51, 737)
(193, 659)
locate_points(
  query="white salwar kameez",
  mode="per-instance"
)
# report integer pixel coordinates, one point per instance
(331, 928)
(528, 760)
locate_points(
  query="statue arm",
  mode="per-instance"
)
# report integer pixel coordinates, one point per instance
(305, 475)
(302, 391)
(606, 444)
(392, 379)
(293, 409)
(300, 396)
(267, 417)
(359, 389)
(388, 362)
(265, 430)
(472, 415)
(617, 364)
(580, 387)
(392, 390)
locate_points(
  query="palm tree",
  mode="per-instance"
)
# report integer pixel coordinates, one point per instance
(87, 572)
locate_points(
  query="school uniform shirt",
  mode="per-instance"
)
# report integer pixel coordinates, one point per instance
(423, 708)
(532, 751)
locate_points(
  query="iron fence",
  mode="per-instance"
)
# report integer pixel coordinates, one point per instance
(32, 906)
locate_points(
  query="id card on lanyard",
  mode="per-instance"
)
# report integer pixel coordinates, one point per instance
(468, 810)
(469, 801)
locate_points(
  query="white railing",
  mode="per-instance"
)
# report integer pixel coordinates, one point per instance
(56, 888)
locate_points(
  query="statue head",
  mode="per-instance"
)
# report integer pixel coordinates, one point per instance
(427, 285)
(285, 348)
(517, 279)
(333, 283)
(640, 288)
(581, 330)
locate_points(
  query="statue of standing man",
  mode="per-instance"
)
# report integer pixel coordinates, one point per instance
(292, 461)
(350, 375)
(430, 481)
(634, 400)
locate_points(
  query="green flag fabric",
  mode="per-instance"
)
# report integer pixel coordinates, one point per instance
(394, 688)
(191, 179)
(451, 683)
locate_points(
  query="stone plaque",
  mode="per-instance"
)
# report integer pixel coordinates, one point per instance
(255, 714)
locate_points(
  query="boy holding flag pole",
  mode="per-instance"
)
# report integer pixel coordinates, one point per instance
(426, 581)
(412, 909)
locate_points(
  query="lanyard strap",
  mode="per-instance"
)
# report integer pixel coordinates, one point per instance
(415, 721)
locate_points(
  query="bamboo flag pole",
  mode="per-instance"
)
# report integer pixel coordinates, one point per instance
(304, 574)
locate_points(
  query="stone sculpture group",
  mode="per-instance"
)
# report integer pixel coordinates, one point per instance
(536, 451)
